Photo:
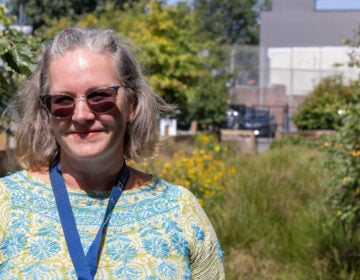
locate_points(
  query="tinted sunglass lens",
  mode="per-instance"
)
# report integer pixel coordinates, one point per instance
(102, 107)
(62, 112)
(60, 106)
(102, 101)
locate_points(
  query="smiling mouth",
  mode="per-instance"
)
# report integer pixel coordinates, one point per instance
(86, 134)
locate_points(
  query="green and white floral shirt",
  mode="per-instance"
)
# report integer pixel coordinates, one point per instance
(158, 231)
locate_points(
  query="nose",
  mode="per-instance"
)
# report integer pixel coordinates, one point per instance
(82, 112)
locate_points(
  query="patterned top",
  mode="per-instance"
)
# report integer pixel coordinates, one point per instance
(158, 231)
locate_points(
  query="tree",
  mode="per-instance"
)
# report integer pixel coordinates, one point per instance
(38, 13)
(210, 102)
(231, 21)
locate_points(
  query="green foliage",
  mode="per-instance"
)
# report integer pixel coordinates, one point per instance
(354, 44)
(341, 253)
(230, 21)
(209, 104)
(39, 12)
(17, 54)
(42, 14)
(344, 162)
(322, 108)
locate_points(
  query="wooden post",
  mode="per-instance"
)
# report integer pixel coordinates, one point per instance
(244, 138)
(193, 127)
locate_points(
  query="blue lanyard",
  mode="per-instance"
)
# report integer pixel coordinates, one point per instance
(85, 265)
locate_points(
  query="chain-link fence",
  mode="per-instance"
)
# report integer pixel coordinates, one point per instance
(279, 79)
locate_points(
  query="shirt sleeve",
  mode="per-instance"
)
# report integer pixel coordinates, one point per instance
(4, 212)
(205, 251)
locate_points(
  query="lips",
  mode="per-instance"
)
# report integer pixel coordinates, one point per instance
(86, 134)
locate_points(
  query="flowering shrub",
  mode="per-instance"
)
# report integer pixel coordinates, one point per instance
(203, 170)
(344, 162)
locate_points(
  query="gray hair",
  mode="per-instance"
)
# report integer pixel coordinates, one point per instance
(36, 146)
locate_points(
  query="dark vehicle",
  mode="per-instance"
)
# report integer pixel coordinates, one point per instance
(234, 117)
(261, 122)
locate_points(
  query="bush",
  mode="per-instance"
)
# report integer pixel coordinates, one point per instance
(323, 107)
(343, 161)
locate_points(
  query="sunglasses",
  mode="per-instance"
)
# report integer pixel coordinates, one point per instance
(100, 101)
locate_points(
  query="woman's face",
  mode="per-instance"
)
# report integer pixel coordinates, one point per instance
(84, 134)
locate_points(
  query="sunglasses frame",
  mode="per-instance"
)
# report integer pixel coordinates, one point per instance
(44, 103)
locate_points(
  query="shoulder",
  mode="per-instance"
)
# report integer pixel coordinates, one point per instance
(174, 191)
(165, 194)
(21, 183)
(184, 199)
(12, 179)
(8, 185)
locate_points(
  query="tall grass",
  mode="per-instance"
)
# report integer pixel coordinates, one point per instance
(270, 220)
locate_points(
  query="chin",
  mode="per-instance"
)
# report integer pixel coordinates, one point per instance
(85, 153)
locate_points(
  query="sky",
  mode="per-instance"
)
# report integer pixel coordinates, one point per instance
(324, 4)
(337, 4)
(319, 4)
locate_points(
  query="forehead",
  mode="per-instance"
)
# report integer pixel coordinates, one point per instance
(83, 56)
(80, 67)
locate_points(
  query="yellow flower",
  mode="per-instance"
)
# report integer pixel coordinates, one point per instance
(167, 165)
(326, 144)
(357, 191)
(207, 193)
(201, 202)
(232, 170)
(355, 154)
(204, 139)
(338, 212)
(217, 148)
(346, 180)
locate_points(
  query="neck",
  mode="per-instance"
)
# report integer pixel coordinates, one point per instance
(90, 176)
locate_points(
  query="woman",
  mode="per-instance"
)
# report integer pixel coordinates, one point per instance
(77, 210)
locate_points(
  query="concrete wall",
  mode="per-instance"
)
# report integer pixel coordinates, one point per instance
(300, 69)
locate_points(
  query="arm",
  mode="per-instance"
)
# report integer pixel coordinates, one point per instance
(4, 213)
(205, 252)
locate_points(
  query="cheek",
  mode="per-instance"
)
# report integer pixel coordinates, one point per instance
(57, 126)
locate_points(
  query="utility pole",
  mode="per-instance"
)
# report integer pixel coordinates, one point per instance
(21, 14)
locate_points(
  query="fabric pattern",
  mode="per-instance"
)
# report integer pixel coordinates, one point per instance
(158, 231)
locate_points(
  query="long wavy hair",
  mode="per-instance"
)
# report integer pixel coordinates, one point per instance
(36, 146)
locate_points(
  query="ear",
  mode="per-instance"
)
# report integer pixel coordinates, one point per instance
(131, 109)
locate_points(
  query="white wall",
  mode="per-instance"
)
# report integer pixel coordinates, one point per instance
(300, 69)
